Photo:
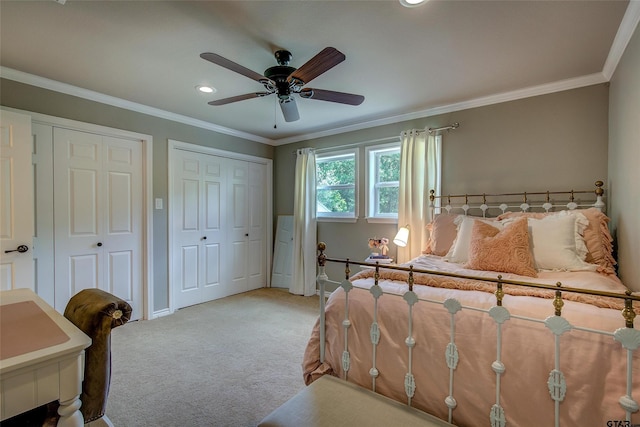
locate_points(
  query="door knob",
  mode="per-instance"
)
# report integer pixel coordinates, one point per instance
(99, 244)
(21, 249)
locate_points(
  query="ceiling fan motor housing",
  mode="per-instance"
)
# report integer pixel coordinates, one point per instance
(279, 74)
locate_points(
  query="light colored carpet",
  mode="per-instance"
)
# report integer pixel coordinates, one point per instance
(228, 362)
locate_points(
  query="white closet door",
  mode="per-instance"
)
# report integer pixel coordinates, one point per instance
(238, 206)
(218, 214)
(122, 231)
(213, 220)
(199, 217)
(98, 216)
(257, 259)
(16, 201)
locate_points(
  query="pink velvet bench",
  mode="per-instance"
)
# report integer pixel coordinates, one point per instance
(332, 402)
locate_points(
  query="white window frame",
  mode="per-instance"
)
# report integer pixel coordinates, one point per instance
(371, 152)
(338, 216)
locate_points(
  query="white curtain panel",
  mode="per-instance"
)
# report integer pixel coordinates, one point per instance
(304, 225)
(420, 158)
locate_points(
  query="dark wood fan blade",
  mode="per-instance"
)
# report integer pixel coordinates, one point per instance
(332, 96)
(289, 109)
(328, 58)
(230, 65)
(237, 98)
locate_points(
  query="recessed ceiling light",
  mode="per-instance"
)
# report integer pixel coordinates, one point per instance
(412, 3)
(205, 89)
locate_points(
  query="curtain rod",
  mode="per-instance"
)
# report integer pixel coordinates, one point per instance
(449, 127)
(354, 144)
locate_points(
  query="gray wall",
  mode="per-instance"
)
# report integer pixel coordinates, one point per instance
(624, 162)
(549, 142)
(34, 99)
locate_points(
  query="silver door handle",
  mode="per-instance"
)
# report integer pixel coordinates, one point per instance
(22, 249)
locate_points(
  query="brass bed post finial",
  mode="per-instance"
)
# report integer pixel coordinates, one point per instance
(599, 190)
(410, 280)
(548, 198)
(628, 313)
(322, 258)
(432, 196)
(499, 293)
(571, 198)
(557, 301)
(347, 271)
(525, 197)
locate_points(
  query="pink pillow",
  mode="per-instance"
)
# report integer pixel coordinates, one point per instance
(442, 233)
(599, 240)
(596, 236)
(505, 250)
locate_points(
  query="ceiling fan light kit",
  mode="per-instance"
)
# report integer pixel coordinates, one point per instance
(286, 81)
(412, 3)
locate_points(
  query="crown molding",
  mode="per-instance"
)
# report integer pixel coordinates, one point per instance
(42, 82)
(628, 25)
(544, 89)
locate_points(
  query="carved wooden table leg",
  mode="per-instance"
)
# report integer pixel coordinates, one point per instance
(71, 376)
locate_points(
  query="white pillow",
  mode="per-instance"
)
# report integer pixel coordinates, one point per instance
(553, 243)
(459, 252)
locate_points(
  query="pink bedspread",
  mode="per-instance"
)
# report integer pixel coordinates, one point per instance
(594, 366)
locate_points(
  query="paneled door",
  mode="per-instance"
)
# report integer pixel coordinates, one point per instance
(239, 224)
(256, 263)
(16, 202)
(98, 216)
(246, 200)
(199, 202)
(282, 270)
(218, 214)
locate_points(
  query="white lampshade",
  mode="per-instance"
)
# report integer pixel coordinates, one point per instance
(402, 237)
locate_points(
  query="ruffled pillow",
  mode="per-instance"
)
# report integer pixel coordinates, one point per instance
(442, 233)
(554, 243)
(505, 250)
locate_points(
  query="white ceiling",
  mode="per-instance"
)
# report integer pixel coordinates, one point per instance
(407, 62)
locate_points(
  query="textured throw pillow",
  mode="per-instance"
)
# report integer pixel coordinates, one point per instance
(505, 250)
(459, 252)
(442, 233)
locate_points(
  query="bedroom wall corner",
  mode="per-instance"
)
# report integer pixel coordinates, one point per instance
(623, 159)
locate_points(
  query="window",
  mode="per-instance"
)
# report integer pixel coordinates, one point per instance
(383, 182)
(336, 184)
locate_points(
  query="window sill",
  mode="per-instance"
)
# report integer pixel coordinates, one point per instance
(376, 220)
(335, 219)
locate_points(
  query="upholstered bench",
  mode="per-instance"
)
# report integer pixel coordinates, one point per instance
(332, 402)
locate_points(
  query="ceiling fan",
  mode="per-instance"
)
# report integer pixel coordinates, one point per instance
(285, 81)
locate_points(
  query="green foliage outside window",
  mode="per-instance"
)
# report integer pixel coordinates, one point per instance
(387, 182)
(336, 184)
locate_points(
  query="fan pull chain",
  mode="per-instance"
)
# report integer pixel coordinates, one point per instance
(275, 113)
